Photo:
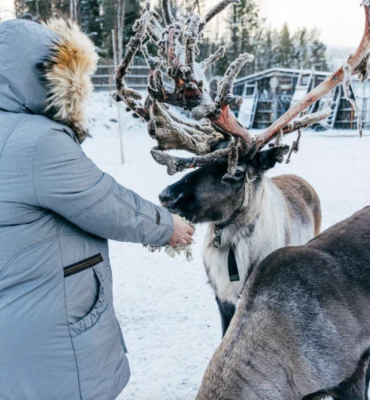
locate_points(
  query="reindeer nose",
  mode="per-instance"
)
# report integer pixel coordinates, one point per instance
(169, 199)
(165, 197)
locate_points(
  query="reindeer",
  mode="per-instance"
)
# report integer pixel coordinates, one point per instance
(249, 215)
(302, 323)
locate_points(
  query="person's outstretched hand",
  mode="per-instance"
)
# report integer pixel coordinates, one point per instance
(182, 232)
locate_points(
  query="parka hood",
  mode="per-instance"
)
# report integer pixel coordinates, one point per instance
(46, 70)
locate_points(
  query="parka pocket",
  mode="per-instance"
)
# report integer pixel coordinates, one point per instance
(89, 320)
(82, 286)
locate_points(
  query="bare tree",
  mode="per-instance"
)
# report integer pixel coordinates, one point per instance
(74, 8)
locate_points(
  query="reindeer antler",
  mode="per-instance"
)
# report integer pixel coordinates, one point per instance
(128, 96)
(191, 90)
(219, 135)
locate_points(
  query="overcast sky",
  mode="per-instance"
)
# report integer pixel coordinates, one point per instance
(341, 22)
(6, 9)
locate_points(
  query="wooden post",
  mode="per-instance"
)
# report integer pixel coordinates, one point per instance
(120, 27)
(115, 62)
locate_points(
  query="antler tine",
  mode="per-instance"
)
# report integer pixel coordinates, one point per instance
(205, 128)
(167, 13)
(129, 96)
(172, 43)
(152, 62)
(364, 69)
(306, 121)
(177, 164)
(205, 64)
(192, 36)
(225, 121)
(355, 62)
(174, 134)
(155, 30)
(226, 96)
(216, 10)
(214, 88)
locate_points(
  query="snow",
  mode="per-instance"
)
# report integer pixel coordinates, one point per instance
(165, 307)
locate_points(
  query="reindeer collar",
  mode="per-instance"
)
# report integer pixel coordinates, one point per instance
(232, 264)
(219, 227)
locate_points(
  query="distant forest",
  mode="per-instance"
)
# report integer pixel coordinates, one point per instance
(239, 28)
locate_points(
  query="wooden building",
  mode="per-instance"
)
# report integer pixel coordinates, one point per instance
(269, 94)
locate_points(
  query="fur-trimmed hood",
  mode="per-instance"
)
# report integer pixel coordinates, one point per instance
(46, 70)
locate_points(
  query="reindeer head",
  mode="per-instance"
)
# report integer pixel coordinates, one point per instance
(227, 156)
(212, 194)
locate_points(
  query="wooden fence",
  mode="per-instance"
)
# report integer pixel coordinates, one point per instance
(136, 79)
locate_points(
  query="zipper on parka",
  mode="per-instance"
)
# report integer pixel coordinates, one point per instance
(82, 265)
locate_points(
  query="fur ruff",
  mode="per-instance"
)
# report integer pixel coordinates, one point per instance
(68, 73)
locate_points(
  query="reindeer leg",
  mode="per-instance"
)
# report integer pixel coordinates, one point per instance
(227, 311)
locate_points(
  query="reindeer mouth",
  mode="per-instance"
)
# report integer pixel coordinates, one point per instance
(174, 206)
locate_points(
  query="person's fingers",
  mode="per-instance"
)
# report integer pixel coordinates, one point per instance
(183, 242)
(190, 230)
(188, 238)
(174, 240)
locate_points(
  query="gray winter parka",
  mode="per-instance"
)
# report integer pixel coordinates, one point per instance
(59, 336)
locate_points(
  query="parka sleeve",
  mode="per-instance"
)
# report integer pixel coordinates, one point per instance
(67, 182)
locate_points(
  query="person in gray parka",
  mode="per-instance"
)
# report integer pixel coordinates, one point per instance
(59, 336)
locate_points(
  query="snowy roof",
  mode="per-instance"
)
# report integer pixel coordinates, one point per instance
(262, 74)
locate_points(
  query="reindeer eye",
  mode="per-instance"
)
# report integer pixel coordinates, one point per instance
(238, 174)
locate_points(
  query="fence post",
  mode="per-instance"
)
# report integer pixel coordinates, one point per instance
(115, 62)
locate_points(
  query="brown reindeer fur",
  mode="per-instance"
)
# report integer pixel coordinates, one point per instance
(302, 198)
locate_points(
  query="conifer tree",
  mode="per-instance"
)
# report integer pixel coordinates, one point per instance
(244, 26)
(242, 30)
(318, 52)
(267, 51)
(285, 49)
(301, 41)
(91, 21)
(132, 10)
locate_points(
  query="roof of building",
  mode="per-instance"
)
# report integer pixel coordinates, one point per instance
(272, 71)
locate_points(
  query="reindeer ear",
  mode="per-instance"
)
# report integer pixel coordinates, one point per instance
(353, 388)
(267, 159)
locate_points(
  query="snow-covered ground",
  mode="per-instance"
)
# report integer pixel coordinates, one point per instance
(165, 307)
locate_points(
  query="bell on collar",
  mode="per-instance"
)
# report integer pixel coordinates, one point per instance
(217, 242)
(217, 239)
